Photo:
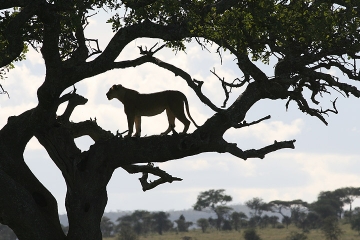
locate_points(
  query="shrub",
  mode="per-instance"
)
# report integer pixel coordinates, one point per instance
(250, 234)
(296, 236)
(280, 226)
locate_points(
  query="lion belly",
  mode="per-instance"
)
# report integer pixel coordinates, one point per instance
(150, 112)
(151, 104)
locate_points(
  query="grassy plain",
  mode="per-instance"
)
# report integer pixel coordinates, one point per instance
(265, 234)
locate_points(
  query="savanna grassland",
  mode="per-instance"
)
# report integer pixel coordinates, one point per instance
(265, 234)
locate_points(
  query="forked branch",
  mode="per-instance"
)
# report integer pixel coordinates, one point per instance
(230, 85)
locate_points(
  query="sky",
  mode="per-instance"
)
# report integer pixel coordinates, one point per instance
(325, 157)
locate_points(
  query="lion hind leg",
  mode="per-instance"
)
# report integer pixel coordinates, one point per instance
(171, 120)
(182, 118)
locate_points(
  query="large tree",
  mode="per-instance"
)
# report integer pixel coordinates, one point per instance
(301, 38)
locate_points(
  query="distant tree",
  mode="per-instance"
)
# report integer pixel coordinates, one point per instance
(237, 218)
(278, 206)
(263, 221)
(203, 223)
(254, 221)
(313, 220)
(141, 221)
(222, 213)
(328, 204)
(214, 200)
(251, 234)
(212, 222)
(299, 218)
(299, 210)
(127, 232)
(348, 195)
(286, 220)
(182, 225)
(106, 226)
(161, 222)
(226, 226)
(355, 223)
(295, 207)
(273, 220)
(257, 205)
(331, 229)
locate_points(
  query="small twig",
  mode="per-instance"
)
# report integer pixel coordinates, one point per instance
(150, 52)
(3, 91)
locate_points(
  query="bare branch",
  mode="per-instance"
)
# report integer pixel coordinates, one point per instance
(231, 85)
(194, 84)
(245, 124)
(304, 106)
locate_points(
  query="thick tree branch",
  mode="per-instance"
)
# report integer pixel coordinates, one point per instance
(89, 128)
(5, 4)
(22, 213)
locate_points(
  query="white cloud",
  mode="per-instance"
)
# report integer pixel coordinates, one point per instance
(322, 174)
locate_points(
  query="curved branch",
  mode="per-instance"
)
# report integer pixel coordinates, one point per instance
(194, 84)
(122, 38)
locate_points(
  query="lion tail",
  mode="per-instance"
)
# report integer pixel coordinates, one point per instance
(188, 112)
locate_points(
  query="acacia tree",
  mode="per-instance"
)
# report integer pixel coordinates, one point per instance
(301, 37)
(215, 201)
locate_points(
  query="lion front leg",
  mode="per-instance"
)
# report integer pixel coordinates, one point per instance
(131, 119)
(137, 126)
